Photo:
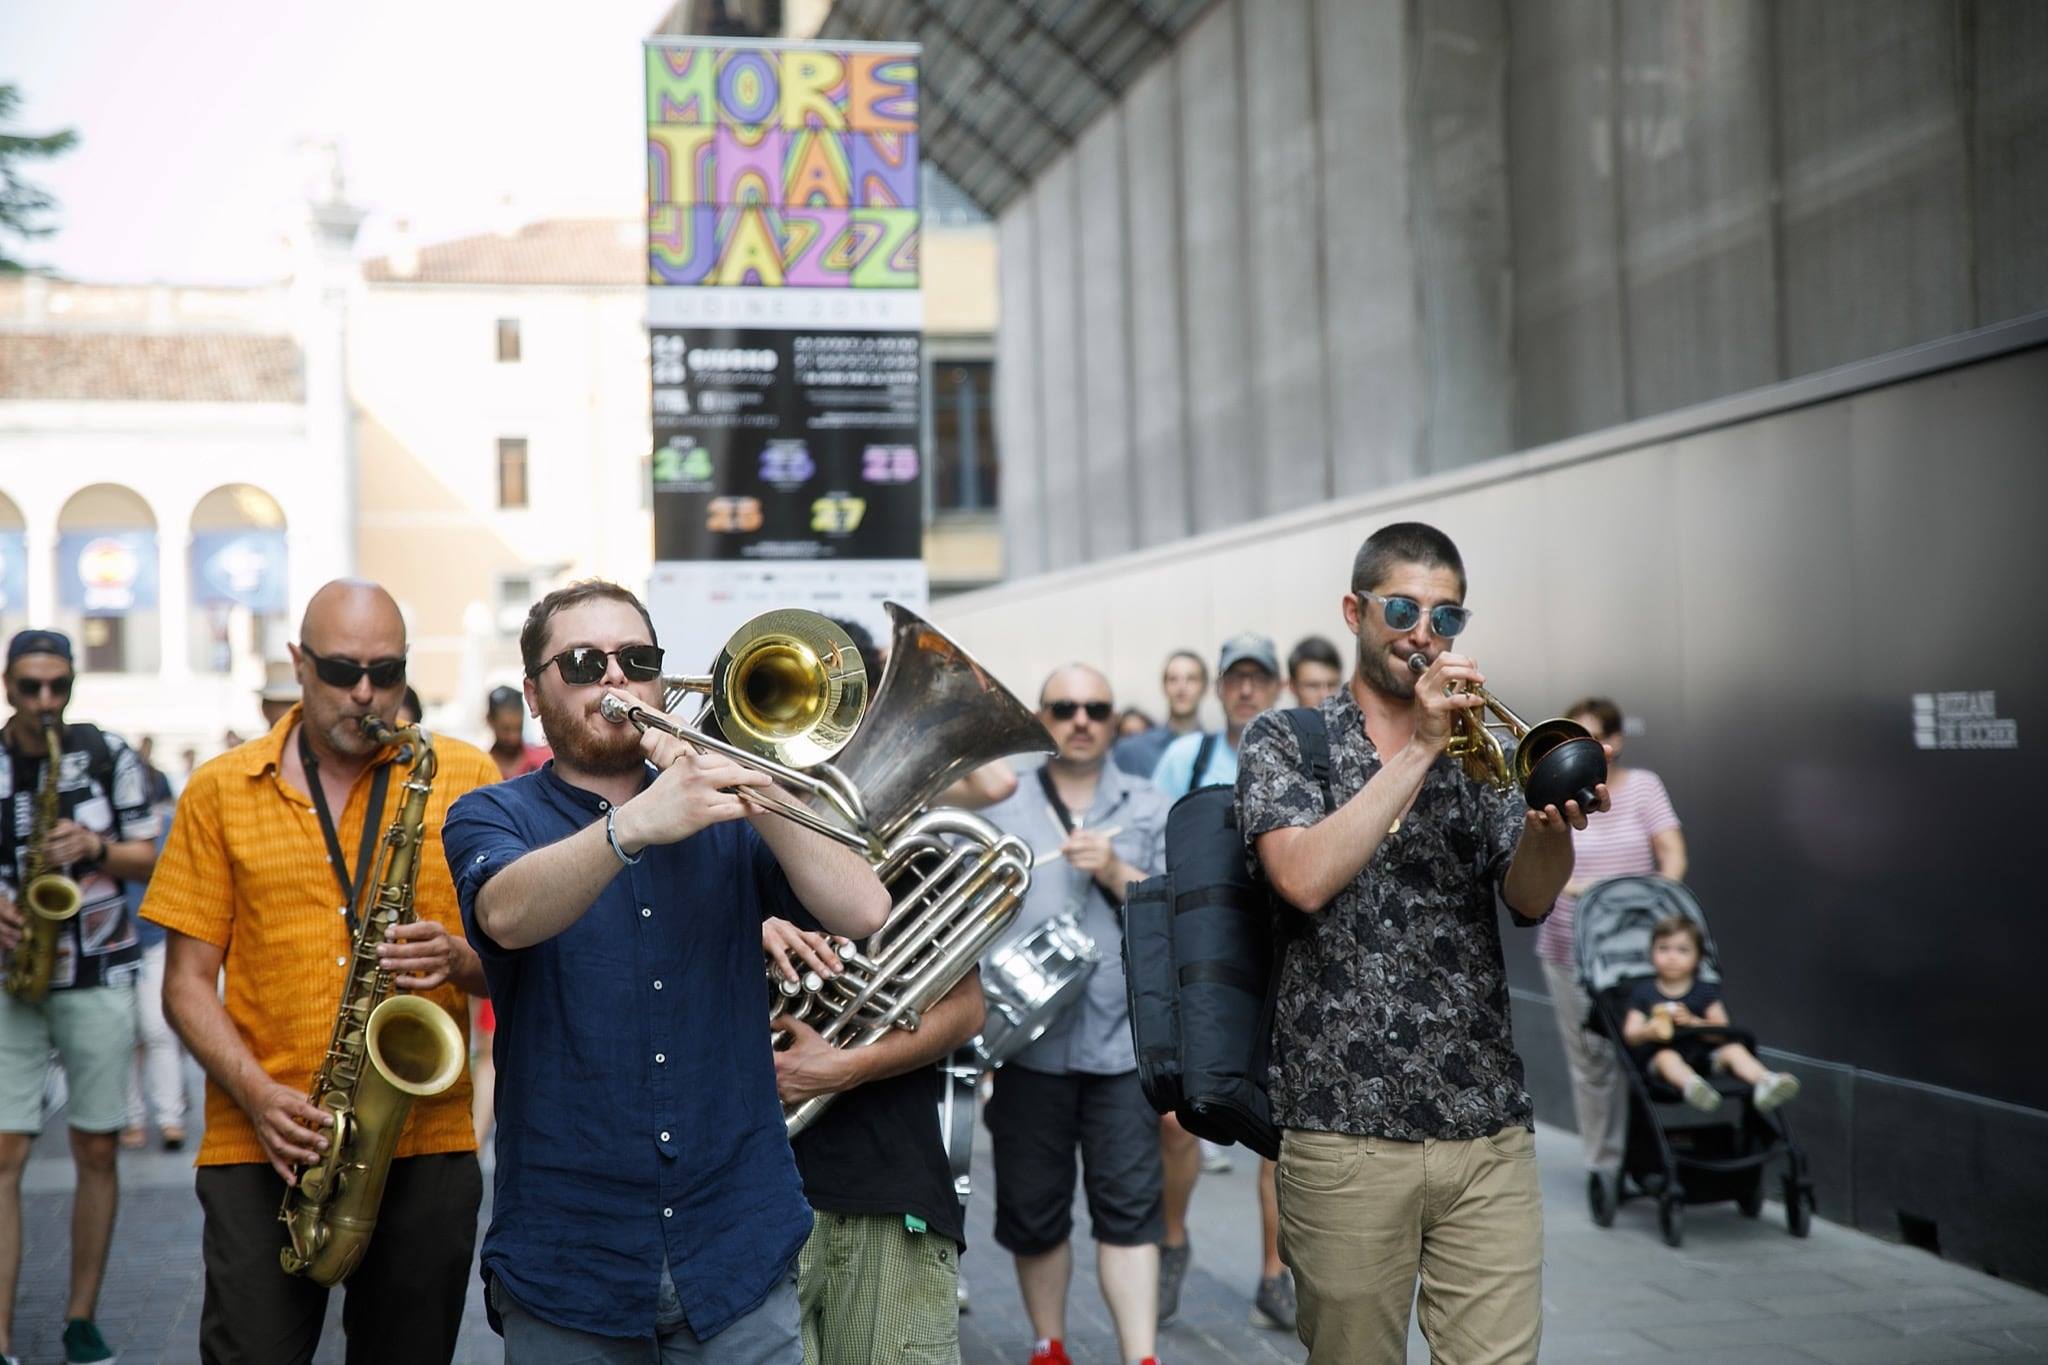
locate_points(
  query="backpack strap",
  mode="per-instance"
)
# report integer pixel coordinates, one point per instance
(1203, 753)
(1314, 738)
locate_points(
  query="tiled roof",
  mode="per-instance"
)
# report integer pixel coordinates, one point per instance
(588, 251)
(175, 367)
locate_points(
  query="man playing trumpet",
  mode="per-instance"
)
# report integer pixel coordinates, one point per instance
(645, 1190)
(1407, 1148)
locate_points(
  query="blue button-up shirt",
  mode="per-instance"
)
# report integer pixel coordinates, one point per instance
(637, 1114)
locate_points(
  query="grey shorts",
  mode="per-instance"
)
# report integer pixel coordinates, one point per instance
(92, 1031)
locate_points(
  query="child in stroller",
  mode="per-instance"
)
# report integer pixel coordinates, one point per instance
(1676, 997)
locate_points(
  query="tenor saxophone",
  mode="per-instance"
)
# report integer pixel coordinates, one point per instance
(48, 897)
(386, 1051)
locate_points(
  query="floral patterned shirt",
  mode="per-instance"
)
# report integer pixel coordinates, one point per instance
(1393, 1006)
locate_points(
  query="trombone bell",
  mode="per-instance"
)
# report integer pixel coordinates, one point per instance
(788, 686)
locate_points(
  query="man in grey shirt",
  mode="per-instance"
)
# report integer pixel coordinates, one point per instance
(1077, 1086)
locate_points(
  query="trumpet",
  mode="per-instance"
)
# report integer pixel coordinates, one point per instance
(1553, 762)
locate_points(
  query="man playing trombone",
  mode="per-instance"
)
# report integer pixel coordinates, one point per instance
(645, 1189)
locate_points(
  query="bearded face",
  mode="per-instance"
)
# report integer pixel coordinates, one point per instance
(1383, 673)
(582, 738)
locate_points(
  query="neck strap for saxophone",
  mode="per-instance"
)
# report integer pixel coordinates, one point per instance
(373, 817)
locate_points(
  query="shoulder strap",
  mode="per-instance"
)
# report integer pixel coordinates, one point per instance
(99, 755)
(1203, 753)
(1314, 738)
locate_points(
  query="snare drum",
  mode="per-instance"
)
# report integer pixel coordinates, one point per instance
(1030, 982)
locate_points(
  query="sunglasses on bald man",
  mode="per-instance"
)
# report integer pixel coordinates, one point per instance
(1098, 711)
(346, 673)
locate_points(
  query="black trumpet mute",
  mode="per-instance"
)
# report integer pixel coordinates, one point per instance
(1558, 762)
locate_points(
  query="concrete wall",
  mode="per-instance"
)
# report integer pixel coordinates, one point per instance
(1325, 247)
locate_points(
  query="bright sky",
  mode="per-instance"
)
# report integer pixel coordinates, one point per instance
(189, 117)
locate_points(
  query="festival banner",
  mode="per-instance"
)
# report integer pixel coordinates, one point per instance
(785, 333)
(107, 573)
(240, 568)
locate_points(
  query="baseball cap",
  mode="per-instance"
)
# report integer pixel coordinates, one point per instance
(39, 642)
(1249, 648)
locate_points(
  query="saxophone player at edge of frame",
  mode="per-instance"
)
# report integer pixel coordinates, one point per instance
(261, 877)
(77, 820)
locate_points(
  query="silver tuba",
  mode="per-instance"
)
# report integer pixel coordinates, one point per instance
(954, 879)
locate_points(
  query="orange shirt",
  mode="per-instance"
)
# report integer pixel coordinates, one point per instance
(246, 870)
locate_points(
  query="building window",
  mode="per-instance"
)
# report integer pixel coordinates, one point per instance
(508, 339)
(511, 471)
(963, 436)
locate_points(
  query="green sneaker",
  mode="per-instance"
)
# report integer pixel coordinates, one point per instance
(83, 1344)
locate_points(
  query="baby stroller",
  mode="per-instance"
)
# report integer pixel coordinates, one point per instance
(1674, 1153)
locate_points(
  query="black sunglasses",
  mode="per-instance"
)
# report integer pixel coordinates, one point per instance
(59, 688)
(1401, 613)
(583, 664)
(1098, 711)
(346, 673)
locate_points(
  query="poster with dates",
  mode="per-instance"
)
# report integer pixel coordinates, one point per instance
(785, 334)
(786, 445)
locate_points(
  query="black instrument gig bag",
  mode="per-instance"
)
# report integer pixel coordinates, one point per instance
(1202, 952)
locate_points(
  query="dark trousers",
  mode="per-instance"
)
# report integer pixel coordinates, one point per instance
(1037, 1123)
(403, 1305)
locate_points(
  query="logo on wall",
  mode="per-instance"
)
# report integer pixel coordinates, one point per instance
(1961, 720)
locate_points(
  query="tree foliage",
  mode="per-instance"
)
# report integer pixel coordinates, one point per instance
(23, 203)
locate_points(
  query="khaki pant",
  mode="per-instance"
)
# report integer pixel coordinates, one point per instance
(1362, 1217)
(1599, 1091)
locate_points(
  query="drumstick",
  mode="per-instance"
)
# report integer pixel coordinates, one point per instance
(1038, 859)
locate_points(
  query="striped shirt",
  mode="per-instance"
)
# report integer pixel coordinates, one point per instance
(246, 869)
(1616, 844)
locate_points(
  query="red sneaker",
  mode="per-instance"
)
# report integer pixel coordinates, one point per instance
(1050, 1353)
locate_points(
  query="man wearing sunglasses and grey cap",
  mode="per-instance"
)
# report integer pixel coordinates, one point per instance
(104, 832)
(260, 881)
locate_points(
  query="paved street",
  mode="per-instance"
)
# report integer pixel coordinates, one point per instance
(1739, 1292)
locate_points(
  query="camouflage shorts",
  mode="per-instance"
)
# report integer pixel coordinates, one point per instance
(869, 1289)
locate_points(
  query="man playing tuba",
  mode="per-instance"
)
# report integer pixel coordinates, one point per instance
(78, 831)
(645, 1191)
(260, 878)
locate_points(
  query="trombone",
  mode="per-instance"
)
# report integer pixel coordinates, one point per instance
(790, 686)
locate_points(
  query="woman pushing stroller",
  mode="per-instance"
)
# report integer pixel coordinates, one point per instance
(1676, 998)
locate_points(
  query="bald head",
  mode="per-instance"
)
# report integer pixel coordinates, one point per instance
(1063, 681)
(1064, 709)
(354, 618)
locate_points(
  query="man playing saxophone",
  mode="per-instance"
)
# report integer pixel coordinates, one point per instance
(79, 825)
(646, 1204)
(260, 878)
